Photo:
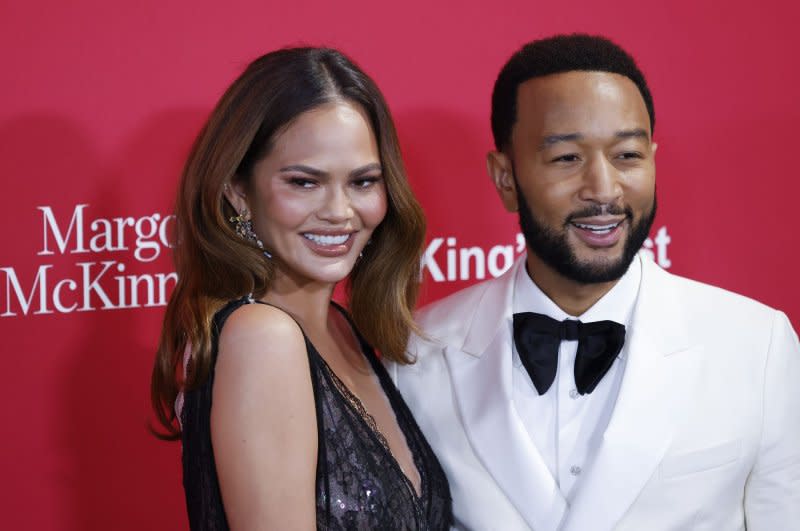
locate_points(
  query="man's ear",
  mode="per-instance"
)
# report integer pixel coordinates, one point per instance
(499, 166)
(236, 196)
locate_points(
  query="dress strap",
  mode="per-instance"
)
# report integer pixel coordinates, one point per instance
(226, 311)
(366, 348)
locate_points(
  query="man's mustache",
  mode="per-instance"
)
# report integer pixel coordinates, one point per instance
(601, 210)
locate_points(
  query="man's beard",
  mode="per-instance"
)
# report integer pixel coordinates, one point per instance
(553, 248)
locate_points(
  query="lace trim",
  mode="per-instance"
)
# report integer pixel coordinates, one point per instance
(354, 401)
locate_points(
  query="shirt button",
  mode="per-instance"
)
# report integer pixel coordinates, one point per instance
(575, 470)
(573, 394)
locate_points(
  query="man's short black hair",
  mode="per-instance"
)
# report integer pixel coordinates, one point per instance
(554, 55)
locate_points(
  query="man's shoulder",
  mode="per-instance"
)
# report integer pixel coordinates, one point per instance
(453, 308)
(701, 301)
(447, 321)
(703, 291)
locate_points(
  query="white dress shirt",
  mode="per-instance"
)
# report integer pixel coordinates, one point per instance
(567, 427)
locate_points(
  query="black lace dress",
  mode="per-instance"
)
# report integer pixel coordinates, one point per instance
(359, 484)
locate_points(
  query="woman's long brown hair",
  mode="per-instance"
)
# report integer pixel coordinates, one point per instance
(214, 265)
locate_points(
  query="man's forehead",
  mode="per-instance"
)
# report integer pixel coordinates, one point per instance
(576, 83)
(579, 99)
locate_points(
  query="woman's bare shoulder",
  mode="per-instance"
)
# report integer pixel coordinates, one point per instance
(262, 347)
(263, 420)
(263, 325)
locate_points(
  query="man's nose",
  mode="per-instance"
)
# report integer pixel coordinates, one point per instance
(601, 181)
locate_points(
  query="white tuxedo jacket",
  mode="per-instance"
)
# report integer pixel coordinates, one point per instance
(704, 435)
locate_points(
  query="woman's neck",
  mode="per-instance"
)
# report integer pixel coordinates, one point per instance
(307, 302)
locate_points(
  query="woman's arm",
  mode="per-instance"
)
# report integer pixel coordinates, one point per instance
(263, 422)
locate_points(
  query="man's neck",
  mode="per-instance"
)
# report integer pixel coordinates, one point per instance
(573, 297)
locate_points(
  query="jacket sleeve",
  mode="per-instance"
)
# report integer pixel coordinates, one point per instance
(772, 493)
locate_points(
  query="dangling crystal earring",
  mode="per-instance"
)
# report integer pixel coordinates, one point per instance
(244, 228)
(361, 254)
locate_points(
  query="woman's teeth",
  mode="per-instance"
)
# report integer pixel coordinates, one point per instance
(321, 239)
(598, 229)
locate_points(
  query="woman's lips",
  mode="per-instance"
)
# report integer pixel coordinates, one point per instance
(329, 244)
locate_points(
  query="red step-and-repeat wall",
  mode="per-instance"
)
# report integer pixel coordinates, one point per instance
(101, 100)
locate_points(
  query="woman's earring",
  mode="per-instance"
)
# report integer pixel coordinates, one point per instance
(361, 254)
(244, 228)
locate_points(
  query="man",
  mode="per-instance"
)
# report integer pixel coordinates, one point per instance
(670, 405)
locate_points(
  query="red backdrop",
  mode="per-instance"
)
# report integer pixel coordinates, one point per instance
(100, 101)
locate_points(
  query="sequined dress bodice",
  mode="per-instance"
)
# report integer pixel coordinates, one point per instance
(359, 484)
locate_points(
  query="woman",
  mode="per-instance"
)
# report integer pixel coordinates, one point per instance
(288, 420)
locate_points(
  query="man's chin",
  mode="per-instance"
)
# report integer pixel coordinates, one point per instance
(596, 270)
(588, 255)
(599, 258)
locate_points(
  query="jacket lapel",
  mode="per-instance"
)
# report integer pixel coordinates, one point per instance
(660, 371)
(481, 376)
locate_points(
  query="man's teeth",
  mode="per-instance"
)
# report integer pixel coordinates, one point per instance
(598, 229)
(321, 239)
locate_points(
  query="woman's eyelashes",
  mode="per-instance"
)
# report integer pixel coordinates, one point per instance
(313, 181)
(367, 181)
(310, 182)
(302, 182)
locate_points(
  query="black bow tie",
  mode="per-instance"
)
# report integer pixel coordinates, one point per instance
(538, 337)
